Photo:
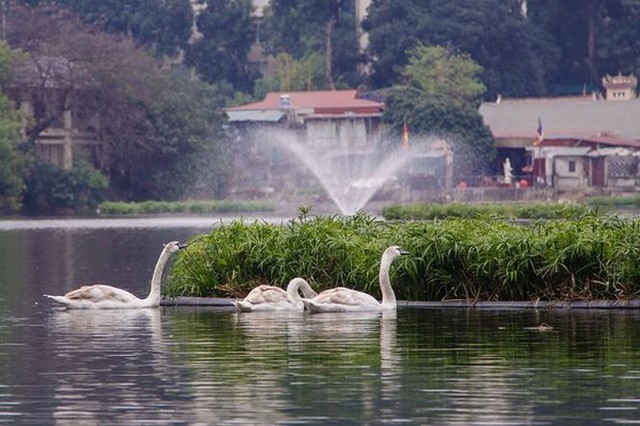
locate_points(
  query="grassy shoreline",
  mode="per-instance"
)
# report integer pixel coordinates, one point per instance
(192, 207)
(486, 258)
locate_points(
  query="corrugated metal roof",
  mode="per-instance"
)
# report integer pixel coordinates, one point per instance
(563, 116)
(255, 115)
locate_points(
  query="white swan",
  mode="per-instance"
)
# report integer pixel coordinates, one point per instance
(341, 299)
(101, 296)
(272, 298)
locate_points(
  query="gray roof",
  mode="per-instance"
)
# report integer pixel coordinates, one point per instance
(568, 117)
(272, 116)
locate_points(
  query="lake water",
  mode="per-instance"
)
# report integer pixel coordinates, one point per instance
(189, 365)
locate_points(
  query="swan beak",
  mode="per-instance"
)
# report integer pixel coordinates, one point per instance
(182, 245)
(403, 252)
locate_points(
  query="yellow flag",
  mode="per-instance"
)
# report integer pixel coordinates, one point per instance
(405, 137)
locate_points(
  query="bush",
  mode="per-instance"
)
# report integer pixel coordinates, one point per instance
(50, 188)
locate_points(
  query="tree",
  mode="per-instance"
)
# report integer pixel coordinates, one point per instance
(154, 127)
(439, 72)
(440, 98)
(304, 28)
(221, 52)
(511, 51)
(594, 37)
(290, 74)
(12, 161)
(163, 26)
(173, 147)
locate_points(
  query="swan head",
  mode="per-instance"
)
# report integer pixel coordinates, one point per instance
(395, 251)
(174, 246)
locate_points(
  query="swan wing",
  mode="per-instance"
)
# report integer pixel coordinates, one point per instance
(267, 298)
(266, 294)
(100, 293)
(344, 296)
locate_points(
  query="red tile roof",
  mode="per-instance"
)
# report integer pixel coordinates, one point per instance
(318, 102)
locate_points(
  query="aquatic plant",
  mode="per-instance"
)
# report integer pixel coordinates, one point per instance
(484, 258)
(428, 211)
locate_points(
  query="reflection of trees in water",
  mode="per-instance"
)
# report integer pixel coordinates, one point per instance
(110, 365)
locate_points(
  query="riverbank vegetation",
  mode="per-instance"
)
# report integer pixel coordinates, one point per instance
(488, 258)
(628, 201)
(540, 210)
(193, 206)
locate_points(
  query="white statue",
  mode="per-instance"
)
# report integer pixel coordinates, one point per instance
(508, 171)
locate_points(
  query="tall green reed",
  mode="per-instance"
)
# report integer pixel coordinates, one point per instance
(482, 258)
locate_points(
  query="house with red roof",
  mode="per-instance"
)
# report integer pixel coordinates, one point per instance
(326, 117)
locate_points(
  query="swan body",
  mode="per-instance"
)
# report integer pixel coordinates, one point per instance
(101, 296)
(271, 298)
(341, 299)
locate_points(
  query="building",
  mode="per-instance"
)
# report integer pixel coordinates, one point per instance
(339, 137)
(581, 136)
(324, 122)
(324, 117)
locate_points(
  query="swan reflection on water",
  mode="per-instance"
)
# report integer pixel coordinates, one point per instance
(106, 362)
(115, 323)
(263, 326)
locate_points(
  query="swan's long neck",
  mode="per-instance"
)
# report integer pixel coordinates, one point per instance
(156, 279)
(388, 295)
(297, 284)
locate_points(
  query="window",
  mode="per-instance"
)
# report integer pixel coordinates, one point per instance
(572, 166)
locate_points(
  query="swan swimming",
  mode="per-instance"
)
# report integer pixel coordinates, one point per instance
(272, 298)
(101, 296)
(341, 299)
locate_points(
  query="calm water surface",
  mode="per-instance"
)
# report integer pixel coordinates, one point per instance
(180, 365)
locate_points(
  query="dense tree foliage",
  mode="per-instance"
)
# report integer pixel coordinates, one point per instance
(52, 189)
(440, 98)
(493, 32)
(594, 37)
(171, 145)
(163, 26)
(290, 74)
(438, 72)
(220, 52)
(156, 129)
(301, 28)
(12, 161)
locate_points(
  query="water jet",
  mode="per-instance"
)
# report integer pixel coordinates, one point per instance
(351, 175)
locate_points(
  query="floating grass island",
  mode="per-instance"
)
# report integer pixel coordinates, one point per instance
(488, 258)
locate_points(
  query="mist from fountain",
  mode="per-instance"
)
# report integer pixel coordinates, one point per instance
(351, 176)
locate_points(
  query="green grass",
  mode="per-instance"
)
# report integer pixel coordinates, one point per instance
(615, 200)
(194, 207)
(428, 211)
(483, 258)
